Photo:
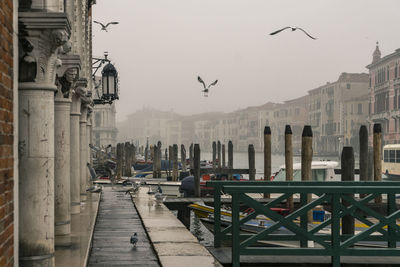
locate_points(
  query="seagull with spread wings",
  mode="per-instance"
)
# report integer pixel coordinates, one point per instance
(104, 27)
(205, 90)
(293, 29)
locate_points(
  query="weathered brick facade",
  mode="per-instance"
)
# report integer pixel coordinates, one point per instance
(6, 133)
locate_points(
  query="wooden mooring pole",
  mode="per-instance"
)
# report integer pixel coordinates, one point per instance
(252, 163)
(159, 159)
(219, 154)
(347, 175)
(267, 156)
(377, 141)
(196, 170)
(170, 158)
(183, 157)
(230, 158)
(223, 155)
(306, 159)
(289, 162)
(191, 156)
(155, 162)
(175, 163)
(363, 161)
(128, 164)
(119, 161)
(370, 173)
(214, 154)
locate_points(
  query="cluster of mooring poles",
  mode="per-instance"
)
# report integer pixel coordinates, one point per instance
(370, 159)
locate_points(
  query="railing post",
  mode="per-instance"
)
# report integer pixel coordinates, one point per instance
(267, 156)
(217, 217)
(303, 220)
(196, 170)
(230, 158)
(391, 208)
(377, 140)
(235, 230)
(252, 163)
(289, 162)
(306, 159)
(335, 231)
(347, 175)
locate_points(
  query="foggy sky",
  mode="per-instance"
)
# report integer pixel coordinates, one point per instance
(160, 46)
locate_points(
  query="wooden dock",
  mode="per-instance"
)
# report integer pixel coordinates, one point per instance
(117, 220)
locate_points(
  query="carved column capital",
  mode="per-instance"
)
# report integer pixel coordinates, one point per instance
(67, 75)
(42, 35)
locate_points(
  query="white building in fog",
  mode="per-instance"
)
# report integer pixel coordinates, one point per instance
(104, 128)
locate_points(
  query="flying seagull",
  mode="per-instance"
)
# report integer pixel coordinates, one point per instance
(134, 239)
(104, 27)
(293, 29)
(205, 90)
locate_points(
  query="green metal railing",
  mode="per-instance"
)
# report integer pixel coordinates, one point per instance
(338, 195)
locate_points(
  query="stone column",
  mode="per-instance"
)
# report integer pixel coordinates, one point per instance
(41, 39)
(67, 76)
(62, 166)
(83, 150)
(75, 151)
(89, 135)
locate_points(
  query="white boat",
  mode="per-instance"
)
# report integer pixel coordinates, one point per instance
(321, 171)
(168, 188)
(391, 161)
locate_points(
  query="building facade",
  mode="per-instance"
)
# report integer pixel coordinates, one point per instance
(45, 118)
(384, 95)
(327, 114)
(7, 122)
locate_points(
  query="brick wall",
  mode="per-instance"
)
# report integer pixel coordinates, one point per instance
(6, 133)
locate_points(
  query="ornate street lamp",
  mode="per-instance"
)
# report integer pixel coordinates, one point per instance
(108, 83)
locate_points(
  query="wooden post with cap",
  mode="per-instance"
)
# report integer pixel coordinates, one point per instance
(377, 142)
(289, 162)
(267, 156)
(363, 161)
(306, 160)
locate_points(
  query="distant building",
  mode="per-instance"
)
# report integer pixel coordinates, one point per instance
(151, 124)
(104, 127)
(355, 115)
(327, 114)
(384, 95)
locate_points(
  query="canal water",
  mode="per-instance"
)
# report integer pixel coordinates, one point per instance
(240, 160)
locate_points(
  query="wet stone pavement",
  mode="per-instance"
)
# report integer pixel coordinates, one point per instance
(117, 220)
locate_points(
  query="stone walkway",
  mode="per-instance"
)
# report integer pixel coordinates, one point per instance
(117, 220)
(73, 249)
